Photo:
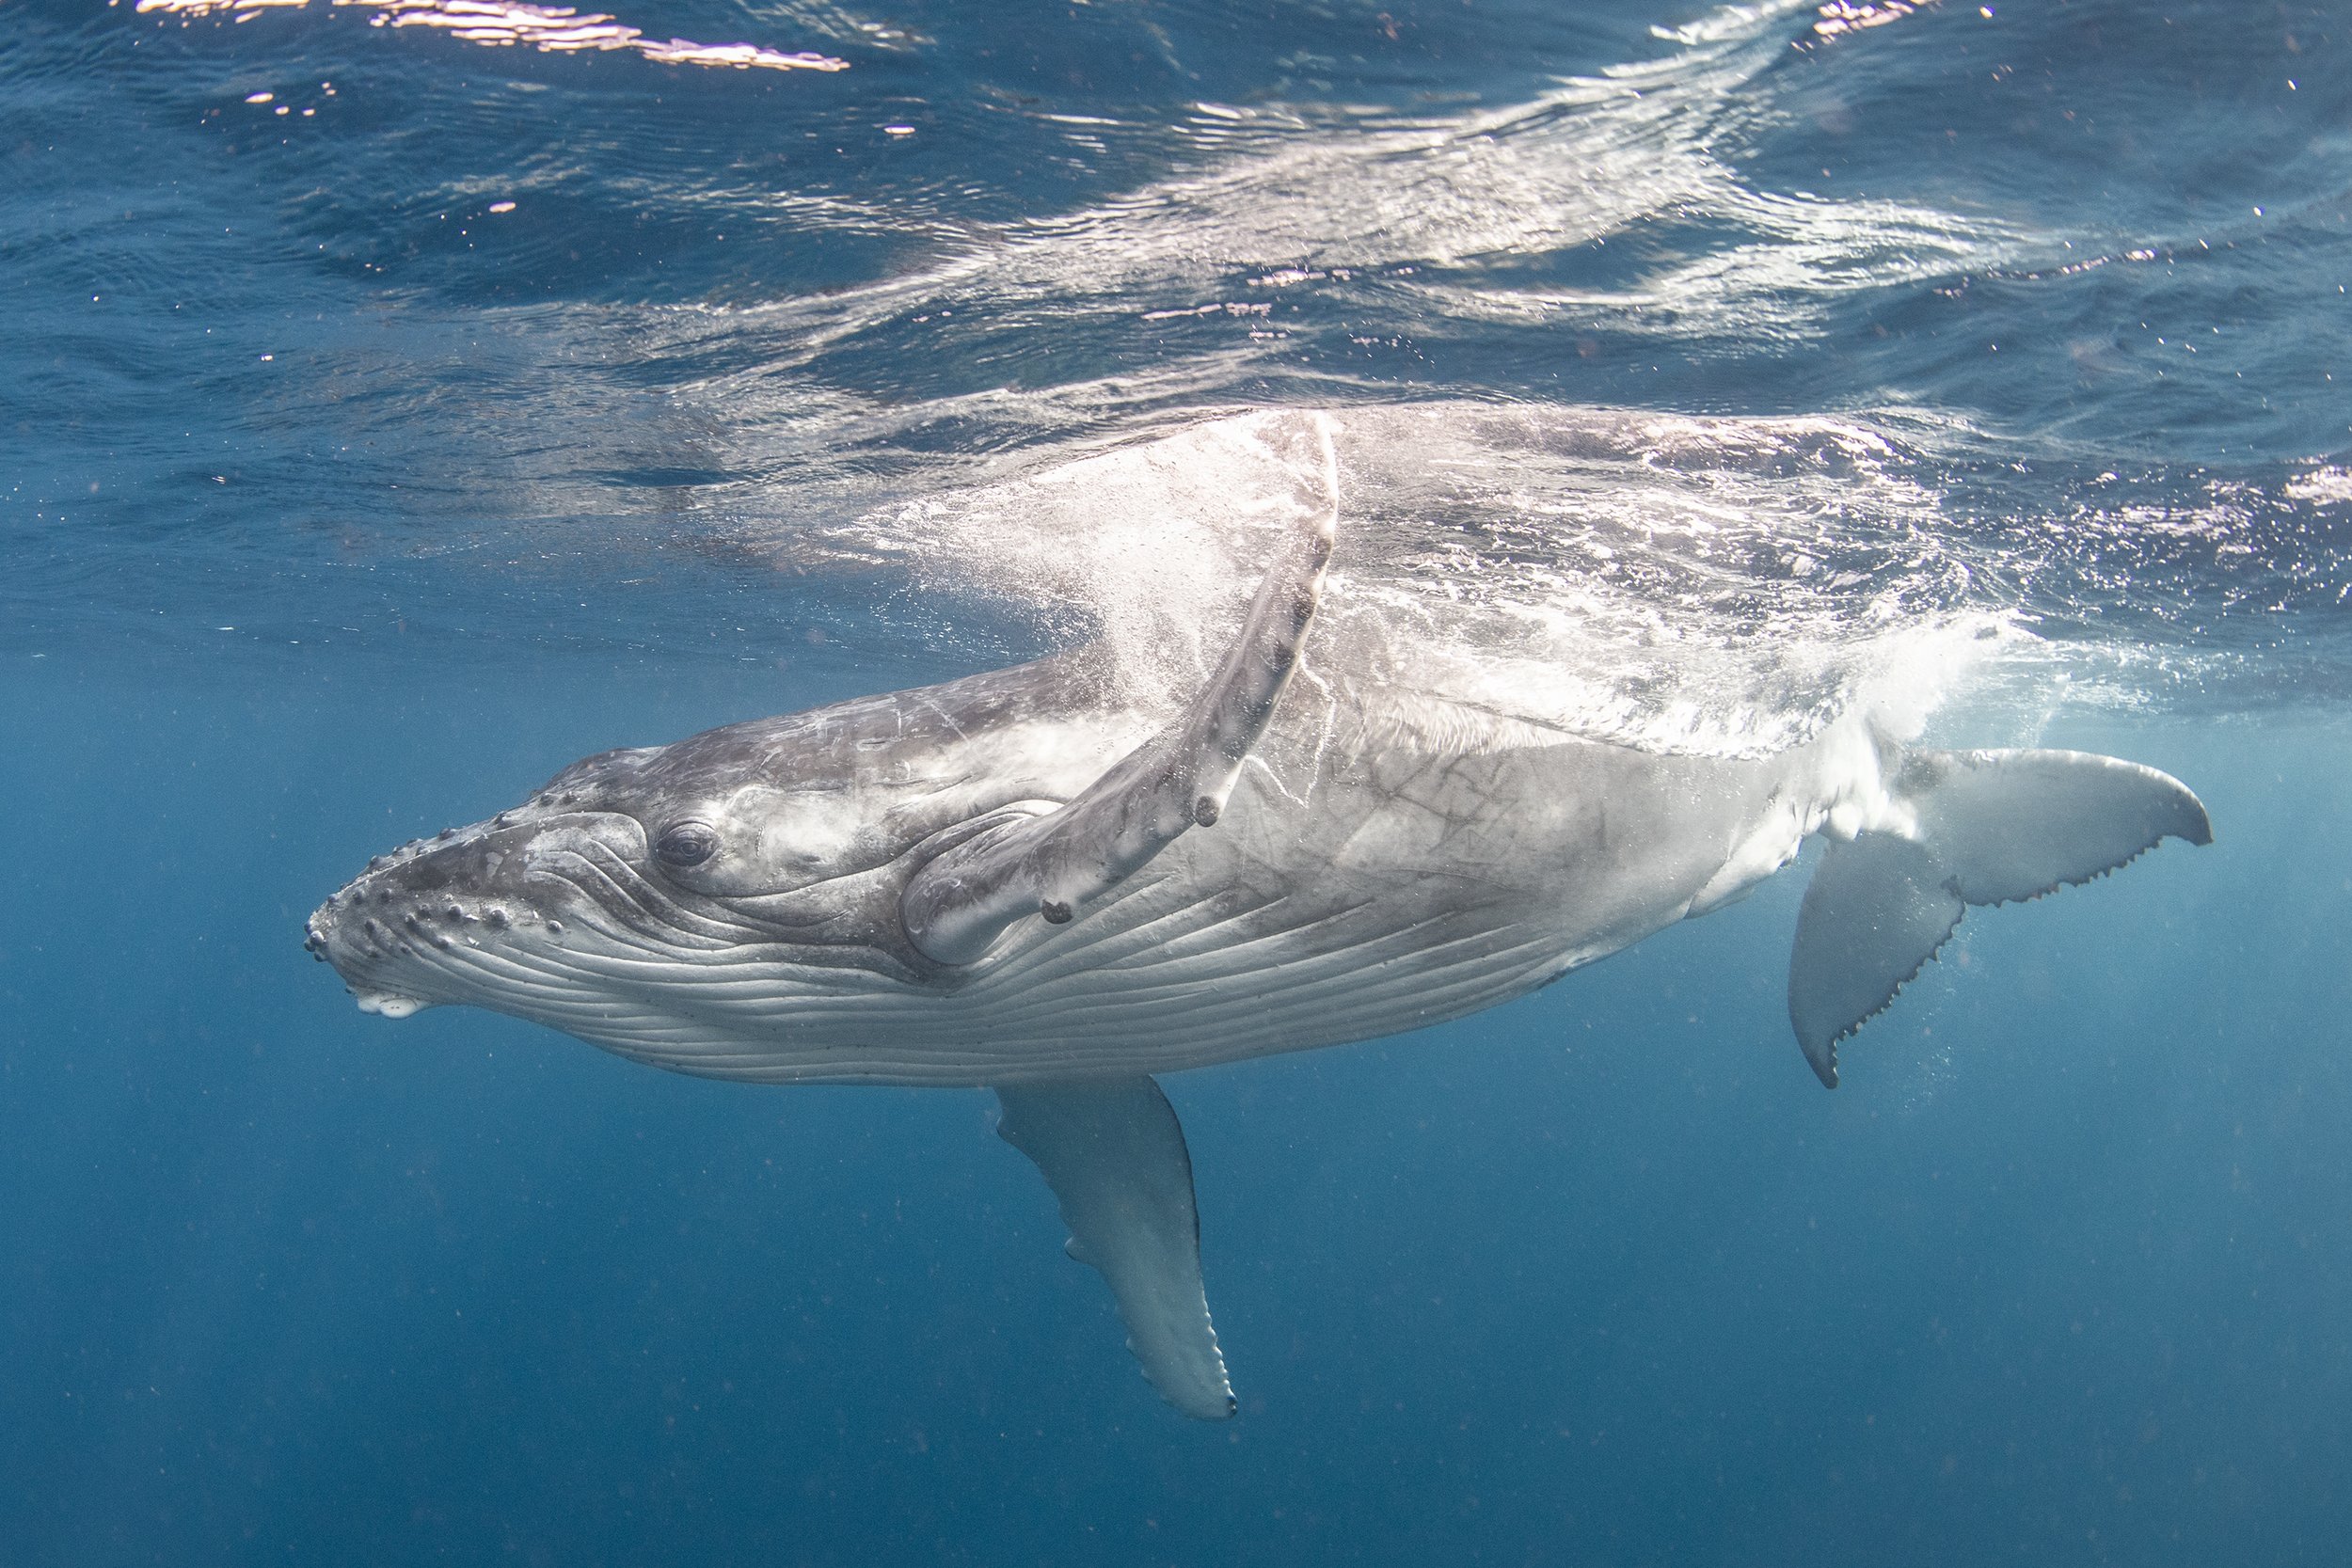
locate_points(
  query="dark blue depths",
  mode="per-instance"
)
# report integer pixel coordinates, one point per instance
(1600, 1276)
(1603, 1277)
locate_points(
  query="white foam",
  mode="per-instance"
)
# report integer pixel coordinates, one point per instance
(1720, 585)
(2322, 486)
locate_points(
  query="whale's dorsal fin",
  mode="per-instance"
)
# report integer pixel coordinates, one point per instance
(1115, 1156)
(1993, 828)
(1054, 863)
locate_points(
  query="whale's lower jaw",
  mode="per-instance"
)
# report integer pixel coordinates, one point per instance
(1052, 1016)
(1189, 1037)
(935, 1054)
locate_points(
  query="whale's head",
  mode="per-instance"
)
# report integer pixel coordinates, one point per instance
(661, 901)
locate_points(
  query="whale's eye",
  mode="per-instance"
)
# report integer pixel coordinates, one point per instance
(686, 844)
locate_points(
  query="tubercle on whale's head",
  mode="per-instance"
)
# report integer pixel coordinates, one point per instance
(426, 923)
(625, 895)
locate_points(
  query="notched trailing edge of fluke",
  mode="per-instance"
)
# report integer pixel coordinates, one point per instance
(1994, 827)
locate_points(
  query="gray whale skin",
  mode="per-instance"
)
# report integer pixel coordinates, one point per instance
(1018, 880)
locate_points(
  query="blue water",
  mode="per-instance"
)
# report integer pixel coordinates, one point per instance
(341, 501)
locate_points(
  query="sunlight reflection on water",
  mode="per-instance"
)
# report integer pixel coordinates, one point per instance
(552, 29)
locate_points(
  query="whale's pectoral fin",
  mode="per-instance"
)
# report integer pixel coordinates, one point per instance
(1114, 1154)
(1993, 828)
(1052, 864)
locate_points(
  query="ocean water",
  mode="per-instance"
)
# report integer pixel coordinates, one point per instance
(406, 397)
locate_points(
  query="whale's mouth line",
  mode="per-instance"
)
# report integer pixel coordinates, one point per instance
(574, 928)
(610, 884)
(598, 935)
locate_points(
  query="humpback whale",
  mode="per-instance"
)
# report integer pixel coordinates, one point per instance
(1034, 882)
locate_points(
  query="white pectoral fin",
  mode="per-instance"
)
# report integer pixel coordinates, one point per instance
(1993, 828)
(1115, 1156)
(1052, 864)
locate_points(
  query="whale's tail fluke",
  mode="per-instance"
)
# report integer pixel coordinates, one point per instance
(1986, 828)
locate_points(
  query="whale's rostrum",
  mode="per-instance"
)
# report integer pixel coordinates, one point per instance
(1034, 882)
